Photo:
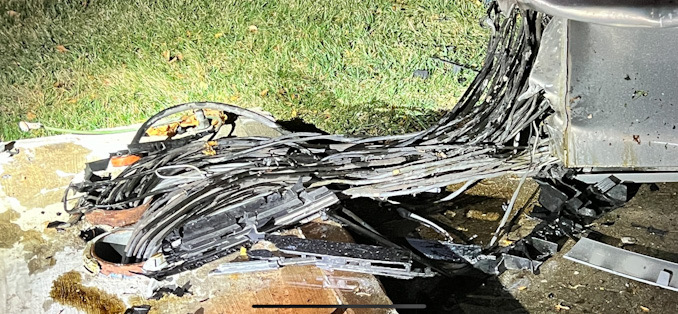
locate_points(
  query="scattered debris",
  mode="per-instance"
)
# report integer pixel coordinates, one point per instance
(645, 309)
(57, 225)
(651, 229)
(91, 233)
(628, 240)
(138, 309)
(179, 291)
(562, 307)
(636, 138)
(639, 93)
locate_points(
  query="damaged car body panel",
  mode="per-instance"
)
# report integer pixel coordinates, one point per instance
(609, 80)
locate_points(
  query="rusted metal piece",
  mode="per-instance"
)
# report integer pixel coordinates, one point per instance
(105, 251)
(119, 269)
(116, 218)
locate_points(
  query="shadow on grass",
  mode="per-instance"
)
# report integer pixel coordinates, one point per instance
(374, 119)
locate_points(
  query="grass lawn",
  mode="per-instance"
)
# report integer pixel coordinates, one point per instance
(346, 66)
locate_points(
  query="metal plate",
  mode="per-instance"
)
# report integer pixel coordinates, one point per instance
(625, 263)
(622, 99)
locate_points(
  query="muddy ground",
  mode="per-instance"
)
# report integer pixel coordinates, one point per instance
(33, 258)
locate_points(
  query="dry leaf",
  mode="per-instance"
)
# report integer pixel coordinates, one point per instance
(58, 84)
(294, 113)
(61, 48)
(217, 35)
(180, 56)
(13, 14)
(264, 92)
(166, 55)
(72, 101)
(234, 98)
(30, 115)
(645, 309)
(107, 82)
(252, 29)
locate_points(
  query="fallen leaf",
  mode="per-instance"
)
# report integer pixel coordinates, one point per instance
(61, 48)
(294, 113)
(217, 35)
(234, 98)
(645, 309)
(72, 101)
(166, 55)
(180, 56)
(253, 29)
(107, 82)
(58, 84)
(522, 288)
(13, 14)
(264, 92)
(30, 115)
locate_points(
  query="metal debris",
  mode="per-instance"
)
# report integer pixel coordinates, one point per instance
(204, 201)
(625, 263)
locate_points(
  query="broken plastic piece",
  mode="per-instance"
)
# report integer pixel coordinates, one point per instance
(138, 309)
(123, 161)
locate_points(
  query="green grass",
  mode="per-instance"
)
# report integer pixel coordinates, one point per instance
(346, 66)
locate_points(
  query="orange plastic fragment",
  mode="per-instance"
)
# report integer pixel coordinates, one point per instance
(121, 161)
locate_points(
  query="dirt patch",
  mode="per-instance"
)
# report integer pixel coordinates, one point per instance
(475, 213)
(32, 176)
(10, 233)
(68, 290)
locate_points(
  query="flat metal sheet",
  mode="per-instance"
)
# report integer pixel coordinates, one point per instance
(628, 13)
(622, 100)
(625, 263)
